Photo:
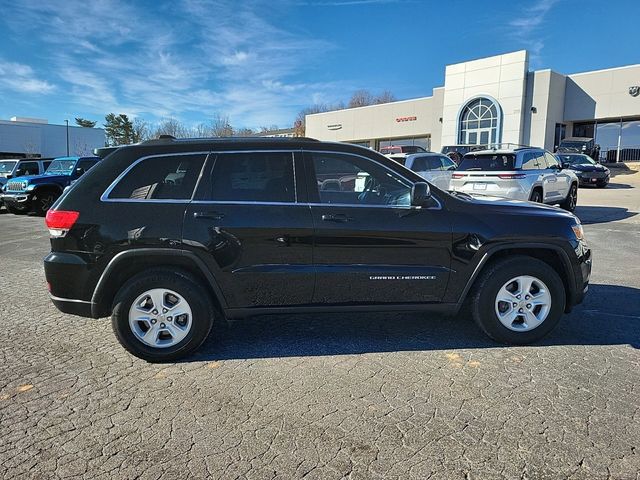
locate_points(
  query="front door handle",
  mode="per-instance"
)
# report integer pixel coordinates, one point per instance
(336, 217)
(208, 215)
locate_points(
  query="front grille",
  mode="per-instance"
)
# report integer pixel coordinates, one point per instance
(17, 186)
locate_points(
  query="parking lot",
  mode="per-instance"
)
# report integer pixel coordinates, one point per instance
(330, 396)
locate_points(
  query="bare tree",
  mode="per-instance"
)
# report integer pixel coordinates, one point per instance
(361, 98)
(141, 130)
(299, 125)
(244, 132)
(385, 97)
(173, 127)
(220, 126)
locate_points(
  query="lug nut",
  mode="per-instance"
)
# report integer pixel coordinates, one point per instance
(162, 325)
(520, 311)
(527, 297)
(169, 319)
(155, 312)
(515, 304)
(518, 296)
(164, 310)
(153, 321)
(528, 305)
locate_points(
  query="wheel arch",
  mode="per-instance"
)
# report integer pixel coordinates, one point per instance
(128, 263)
(552, 255)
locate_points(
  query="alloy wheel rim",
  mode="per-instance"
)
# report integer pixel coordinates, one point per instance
(47, 201)
(160, 318)
(523, 303)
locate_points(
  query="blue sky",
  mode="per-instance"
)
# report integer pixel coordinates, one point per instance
(260, 62)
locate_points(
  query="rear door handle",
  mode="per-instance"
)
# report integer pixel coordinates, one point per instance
(208, 215)
(336, 217)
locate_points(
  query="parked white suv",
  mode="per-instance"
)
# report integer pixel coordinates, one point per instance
(436, 168)
(520, 174)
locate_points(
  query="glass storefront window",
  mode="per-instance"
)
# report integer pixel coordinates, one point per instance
(424, 142)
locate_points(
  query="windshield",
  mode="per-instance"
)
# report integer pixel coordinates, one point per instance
(6, 167)
(488, 162)
(61, 167)
(576, 159)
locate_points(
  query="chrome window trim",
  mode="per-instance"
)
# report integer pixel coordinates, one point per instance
(105, 196)
(70, 300)
(208, 154)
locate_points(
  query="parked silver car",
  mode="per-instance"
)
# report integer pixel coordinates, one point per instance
(520, 174)
(436, 168)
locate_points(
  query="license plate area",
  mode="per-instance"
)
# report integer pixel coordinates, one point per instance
(479, 186)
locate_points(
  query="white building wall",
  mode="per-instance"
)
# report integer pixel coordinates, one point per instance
(602, 94)
(545, 93)
(48, 140)
(502, 77)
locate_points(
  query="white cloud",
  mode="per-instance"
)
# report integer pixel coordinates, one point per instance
(187, 59)
(21, 78)
(525, 29)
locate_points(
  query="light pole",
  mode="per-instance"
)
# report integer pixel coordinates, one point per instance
(67, 122)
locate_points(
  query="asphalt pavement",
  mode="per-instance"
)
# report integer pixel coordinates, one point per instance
(329, 396)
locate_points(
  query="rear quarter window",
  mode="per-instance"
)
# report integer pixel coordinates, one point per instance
(160, 178)
(488, 162)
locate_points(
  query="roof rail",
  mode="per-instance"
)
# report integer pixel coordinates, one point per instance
(507, 145)
(171, 138)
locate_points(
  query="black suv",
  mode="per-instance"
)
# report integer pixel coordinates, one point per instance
(169, 235)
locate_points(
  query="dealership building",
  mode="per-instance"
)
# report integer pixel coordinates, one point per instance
(499, 100)
(34, 137)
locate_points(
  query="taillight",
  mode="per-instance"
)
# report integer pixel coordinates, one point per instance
(512, 176)
(59, 222)
(457, 175)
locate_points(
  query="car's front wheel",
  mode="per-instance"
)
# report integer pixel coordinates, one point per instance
(42, 202)
(518, 300)
(161, 316)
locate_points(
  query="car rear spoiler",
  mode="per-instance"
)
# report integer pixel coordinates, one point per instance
(104, 151)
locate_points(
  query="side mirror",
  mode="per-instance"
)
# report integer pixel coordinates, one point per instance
(9, 177)
(566, 165)
(19, 172)
(420, 194)
(79, 171)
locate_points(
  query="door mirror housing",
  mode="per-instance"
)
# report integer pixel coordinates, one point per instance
(79, 171)
(420, 194)
(566, 165)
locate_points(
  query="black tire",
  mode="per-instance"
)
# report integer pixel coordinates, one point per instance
(483, 300)
(536, 196)
(42, 202)
(602, 185)
(571, 201)
(198, 299)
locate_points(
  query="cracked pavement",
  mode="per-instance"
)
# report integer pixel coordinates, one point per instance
(329, 396)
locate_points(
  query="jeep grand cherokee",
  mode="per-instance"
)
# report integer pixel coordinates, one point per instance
(169, 236)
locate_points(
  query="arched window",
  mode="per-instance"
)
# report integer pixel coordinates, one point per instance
(479, 122)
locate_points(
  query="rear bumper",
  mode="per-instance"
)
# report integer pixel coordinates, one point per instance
(72, 306)
(70, 282)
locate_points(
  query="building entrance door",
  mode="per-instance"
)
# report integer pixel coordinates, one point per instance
(478, 136)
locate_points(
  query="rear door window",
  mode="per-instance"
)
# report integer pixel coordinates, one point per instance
(253, 177)
(172, 177)
(488, 162)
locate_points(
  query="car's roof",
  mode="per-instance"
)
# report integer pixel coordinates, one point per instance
(502, 151)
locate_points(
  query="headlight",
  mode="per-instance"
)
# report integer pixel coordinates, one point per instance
(578, 231)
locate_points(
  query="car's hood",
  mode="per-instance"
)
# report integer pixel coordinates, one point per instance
(588, 168)
(38, 178)
(518, 207)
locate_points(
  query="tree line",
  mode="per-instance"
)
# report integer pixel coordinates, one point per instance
(121, 130)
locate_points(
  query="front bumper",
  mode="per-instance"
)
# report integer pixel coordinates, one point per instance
(595, 178)
(21, 200)
(582, 273)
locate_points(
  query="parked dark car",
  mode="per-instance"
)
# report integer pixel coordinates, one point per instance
(36, 193)
(584, 145)
(587, 170)
(20, 167)
(169, 236)
(396, 149)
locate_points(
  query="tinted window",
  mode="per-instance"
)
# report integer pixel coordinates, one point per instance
(576, 159)
(253, 177)
(352, 180)
(29, 168)
(86, 164)
(166, 178)
(447, 163)
(488, 162)
(420, 164)
(45, 165)
(530, 161)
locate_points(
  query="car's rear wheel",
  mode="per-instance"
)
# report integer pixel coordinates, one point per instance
(161, 316)
(518, 300)
(43, 201)
(571, 201)
(536, 196)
